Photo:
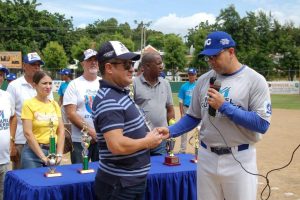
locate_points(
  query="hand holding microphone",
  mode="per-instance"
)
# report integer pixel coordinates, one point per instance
(215, 99)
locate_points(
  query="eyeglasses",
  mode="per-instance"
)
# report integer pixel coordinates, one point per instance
(214, 57)
(126, 64)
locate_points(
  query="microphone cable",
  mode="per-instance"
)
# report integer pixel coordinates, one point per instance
(267, 186)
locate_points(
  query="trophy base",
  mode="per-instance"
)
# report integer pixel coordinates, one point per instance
(194, 161)
(171, 161)
(86, 171)
(55, 174)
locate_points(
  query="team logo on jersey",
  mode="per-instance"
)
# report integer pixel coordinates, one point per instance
(225, 91)
(88, 102)
(40, 116)
(4, 122)
(268, 108)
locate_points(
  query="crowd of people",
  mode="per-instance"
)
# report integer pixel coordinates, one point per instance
(127, 119)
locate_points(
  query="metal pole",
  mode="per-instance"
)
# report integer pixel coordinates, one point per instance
(142, 30)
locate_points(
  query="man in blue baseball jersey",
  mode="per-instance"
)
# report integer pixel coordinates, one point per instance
(185, 96)
(233, 102)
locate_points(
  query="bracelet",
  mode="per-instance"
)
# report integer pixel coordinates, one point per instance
(12, 139)
(59, 155)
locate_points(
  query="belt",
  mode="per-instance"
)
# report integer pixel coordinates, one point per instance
(44, 146)
(224, 150)
(186, 106)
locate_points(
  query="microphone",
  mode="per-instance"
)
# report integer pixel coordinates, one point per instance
(215, 84)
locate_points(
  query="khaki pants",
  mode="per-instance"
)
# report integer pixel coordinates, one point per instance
(183, 137)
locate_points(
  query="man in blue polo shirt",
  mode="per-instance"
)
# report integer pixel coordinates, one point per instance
(121, 132)
(185, 96)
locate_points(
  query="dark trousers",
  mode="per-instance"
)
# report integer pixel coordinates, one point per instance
(105, 191)
(76, 155)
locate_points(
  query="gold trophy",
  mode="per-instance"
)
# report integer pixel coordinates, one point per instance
(171, 159)
(85, 143)
(131, 91)
(52, 154)
(196, 144)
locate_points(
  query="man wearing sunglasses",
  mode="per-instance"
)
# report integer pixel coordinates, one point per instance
(122, 135)
(241, 102)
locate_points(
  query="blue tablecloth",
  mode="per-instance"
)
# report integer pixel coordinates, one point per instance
(164, 182)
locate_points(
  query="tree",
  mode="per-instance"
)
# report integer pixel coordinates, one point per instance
(229, 21)
(83, 44)
(196, 37)
(108, 37)
(26, 29)
(109, 26)
(54, 56)
(175, 52)
(156, 39)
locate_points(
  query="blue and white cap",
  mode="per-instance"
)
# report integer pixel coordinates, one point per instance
(115, 49)
(65, 71)
(216, 42)
(88, 54)
(4, 69)
(192, 71)
(33, 57)
(11, 76)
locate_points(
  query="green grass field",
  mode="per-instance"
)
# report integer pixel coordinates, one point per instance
(286, 101)
(278, 101)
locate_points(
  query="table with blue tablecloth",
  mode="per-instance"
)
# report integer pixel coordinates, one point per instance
(163, 182)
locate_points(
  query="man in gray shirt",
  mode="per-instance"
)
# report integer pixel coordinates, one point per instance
(153, 95)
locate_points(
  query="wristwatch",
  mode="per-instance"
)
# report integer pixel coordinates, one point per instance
(12, 139)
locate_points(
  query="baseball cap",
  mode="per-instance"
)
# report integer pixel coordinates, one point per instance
(11, 76)
(216, 42)
(162, 74)
(88, 54)
(115, 49)
(192, 71)
(65, 71)
(4, 69)
(32, 58)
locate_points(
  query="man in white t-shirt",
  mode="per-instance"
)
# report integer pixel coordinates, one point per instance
(6, 115)
(20, 90)
(78, 100)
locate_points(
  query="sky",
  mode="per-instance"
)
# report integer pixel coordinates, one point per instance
(167, 16)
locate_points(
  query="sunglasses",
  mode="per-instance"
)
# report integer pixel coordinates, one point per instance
(214, 57)
(127, 65)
